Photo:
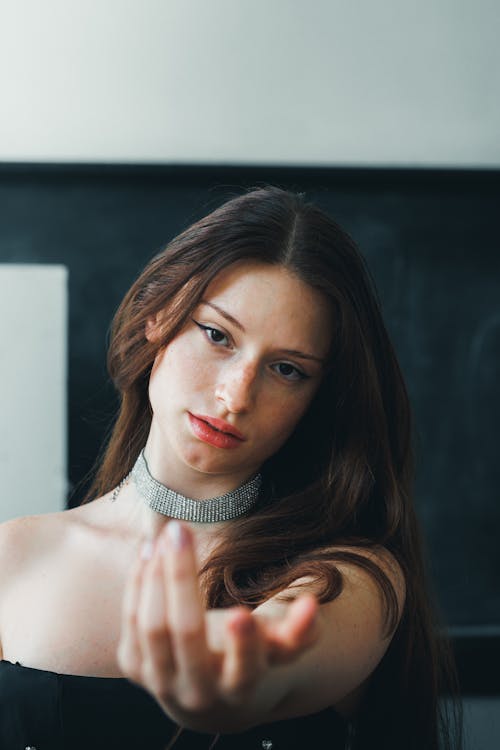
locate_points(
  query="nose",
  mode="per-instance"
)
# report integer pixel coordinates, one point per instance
(236, 388)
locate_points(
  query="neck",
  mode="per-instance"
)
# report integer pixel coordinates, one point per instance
(164, 500)
(133, 518)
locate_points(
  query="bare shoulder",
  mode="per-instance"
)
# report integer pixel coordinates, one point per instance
(25, 540)
(29, 539)
(360, 565)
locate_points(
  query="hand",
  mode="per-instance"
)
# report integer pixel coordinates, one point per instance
(198, 664)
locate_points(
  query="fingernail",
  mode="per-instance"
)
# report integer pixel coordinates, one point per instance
(177, 534)
(147, 550)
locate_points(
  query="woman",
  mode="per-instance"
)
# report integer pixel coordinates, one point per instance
(263, 410)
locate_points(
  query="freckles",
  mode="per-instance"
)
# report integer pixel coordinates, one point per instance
(198, 377)
(179, 360)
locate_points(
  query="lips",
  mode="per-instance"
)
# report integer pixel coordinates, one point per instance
(221, 426)
(215, 431)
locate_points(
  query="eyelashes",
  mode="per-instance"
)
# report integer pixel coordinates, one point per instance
(289, 371)
(213, 334)
(286, 370)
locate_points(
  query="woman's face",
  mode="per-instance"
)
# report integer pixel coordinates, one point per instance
(229, 390)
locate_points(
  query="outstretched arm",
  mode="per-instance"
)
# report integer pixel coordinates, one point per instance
(230, 669)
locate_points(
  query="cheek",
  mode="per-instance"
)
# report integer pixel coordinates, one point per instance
(178, 371)
(283, 417)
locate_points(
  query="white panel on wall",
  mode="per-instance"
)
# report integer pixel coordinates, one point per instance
(33, 333)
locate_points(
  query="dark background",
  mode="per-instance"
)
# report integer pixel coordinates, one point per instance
(431, 241)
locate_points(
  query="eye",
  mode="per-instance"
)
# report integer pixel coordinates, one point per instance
(213, 334)
(289, 372)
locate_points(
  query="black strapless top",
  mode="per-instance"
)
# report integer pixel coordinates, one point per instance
(42, 710)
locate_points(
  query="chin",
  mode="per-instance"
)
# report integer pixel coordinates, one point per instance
(205, 460)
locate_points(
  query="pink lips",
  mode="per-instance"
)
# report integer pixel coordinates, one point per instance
(215, 431)
(221, 425)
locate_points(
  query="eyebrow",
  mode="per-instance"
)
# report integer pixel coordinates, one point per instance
(224, 314)
(289, 352)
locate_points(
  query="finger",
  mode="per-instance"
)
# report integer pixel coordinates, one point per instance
(215, 625)
(157, 667)
(129, 653)
(186, 617)
(244, 655)
(296, 632)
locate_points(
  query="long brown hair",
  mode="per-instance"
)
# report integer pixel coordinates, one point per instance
(343, 479)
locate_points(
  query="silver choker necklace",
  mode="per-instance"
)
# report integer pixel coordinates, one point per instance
(164, 500)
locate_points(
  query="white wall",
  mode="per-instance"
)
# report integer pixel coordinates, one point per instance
(397, 82)
(33, 322)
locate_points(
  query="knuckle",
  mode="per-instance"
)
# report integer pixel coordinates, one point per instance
(130, 617)
(189, 635)
(154, 679)
(181, 574)
(153, 631)
(196, 699)
(240, 677)
(239, 686)
(129, 666)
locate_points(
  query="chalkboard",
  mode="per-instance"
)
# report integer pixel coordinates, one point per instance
(432, 243)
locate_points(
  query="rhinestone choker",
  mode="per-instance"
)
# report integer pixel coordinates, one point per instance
(164, 500)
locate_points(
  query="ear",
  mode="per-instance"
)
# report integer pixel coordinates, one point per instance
(152, 329)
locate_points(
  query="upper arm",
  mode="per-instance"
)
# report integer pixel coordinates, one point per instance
(352, 639)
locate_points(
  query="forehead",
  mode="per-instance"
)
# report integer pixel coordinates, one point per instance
(271, 299)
